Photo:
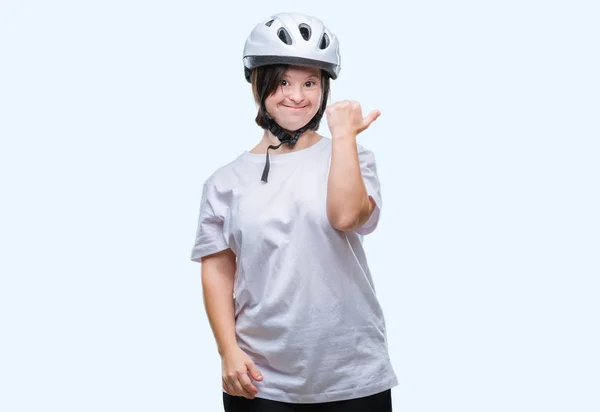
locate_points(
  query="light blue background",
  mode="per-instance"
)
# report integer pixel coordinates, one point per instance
(486, 261)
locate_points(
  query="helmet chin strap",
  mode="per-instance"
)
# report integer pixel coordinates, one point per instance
(285, 137)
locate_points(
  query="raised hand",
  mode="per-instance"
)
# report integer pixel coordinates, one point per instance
(345, 118)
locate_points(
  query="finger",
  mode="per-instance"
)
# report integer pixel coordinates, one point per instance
(242, 391)
(254, 372)
(231, 380)
(371, 117)
(247, 383)
(238, 389)
(227, 388)
(249, 388)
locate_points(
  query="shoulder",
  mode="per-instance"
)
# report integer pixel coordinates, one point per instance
(366, 156)
(218, 188)
(363, 150)
(225, 176)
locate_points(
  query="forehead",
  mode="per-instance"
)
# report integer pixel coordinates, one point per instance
(302, 72)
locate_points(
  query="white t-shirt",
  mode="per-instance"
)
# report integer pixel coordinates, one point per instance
(305, 304)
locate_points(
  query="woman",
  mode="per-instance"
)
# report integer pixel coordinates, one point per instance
(287, 287)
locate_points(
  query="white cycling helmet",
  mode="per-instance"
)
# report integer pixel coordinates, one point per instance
(292, 38)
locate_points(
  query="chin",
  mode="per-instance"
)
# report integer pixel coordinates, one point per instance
(293, 126)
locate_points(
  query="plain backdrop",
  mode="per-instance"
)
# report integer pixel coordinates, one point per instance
(487, 257)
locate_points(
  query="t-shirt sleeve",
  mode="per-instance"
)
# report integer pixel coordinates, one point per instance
(368, 169)
(210, 236)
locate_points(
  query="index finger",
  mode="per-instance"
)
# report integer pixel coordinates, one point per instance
(247, 385)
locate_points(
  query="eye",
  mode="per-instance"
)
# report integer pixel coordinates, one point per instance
(309, 83)
(284, 83)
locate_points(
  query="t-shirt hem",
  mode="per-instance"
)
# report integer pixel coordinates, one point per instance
(275, 395)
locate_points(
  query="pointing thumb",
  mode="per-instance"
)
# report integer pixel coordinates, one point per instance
(371, 117)
(368, 119)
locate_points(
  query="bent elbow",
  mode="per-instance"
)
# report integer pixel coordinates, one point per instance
(344, 224)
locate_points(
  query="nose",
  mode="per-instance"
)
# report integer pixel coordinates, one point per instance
(295, 94)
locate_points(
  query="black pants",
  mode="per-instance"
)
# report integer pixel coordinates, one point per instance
(380, 402)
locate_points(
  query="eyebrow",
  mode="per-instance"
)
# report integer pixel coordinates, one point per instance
(309, 77)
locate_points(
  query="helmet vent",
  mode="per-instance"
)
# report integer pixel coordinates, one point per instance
(305, 31)
(268, 24)
(324, 42)
(284, 36)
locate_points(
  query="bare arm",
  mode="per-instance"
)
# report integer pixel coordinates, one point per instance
(218, 272)
(348, 205)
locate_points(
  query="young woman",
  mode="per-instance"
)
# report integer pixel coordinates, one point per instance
(287, 288)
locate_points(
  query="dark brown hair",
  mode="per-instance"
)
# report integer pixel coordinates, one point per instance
(266, 80)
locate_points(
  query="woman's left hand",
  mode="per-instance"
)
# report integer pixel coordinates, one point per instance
(345, 119)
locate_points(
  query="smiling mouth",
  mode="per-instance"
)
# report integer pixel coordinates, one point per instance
(295, 107)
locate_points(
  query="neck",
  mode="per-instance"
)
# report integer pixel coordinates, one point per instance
(305, 140)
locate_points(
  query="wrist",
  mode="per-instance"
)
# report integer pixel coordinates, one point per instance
(223, 351)
(341, 137)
